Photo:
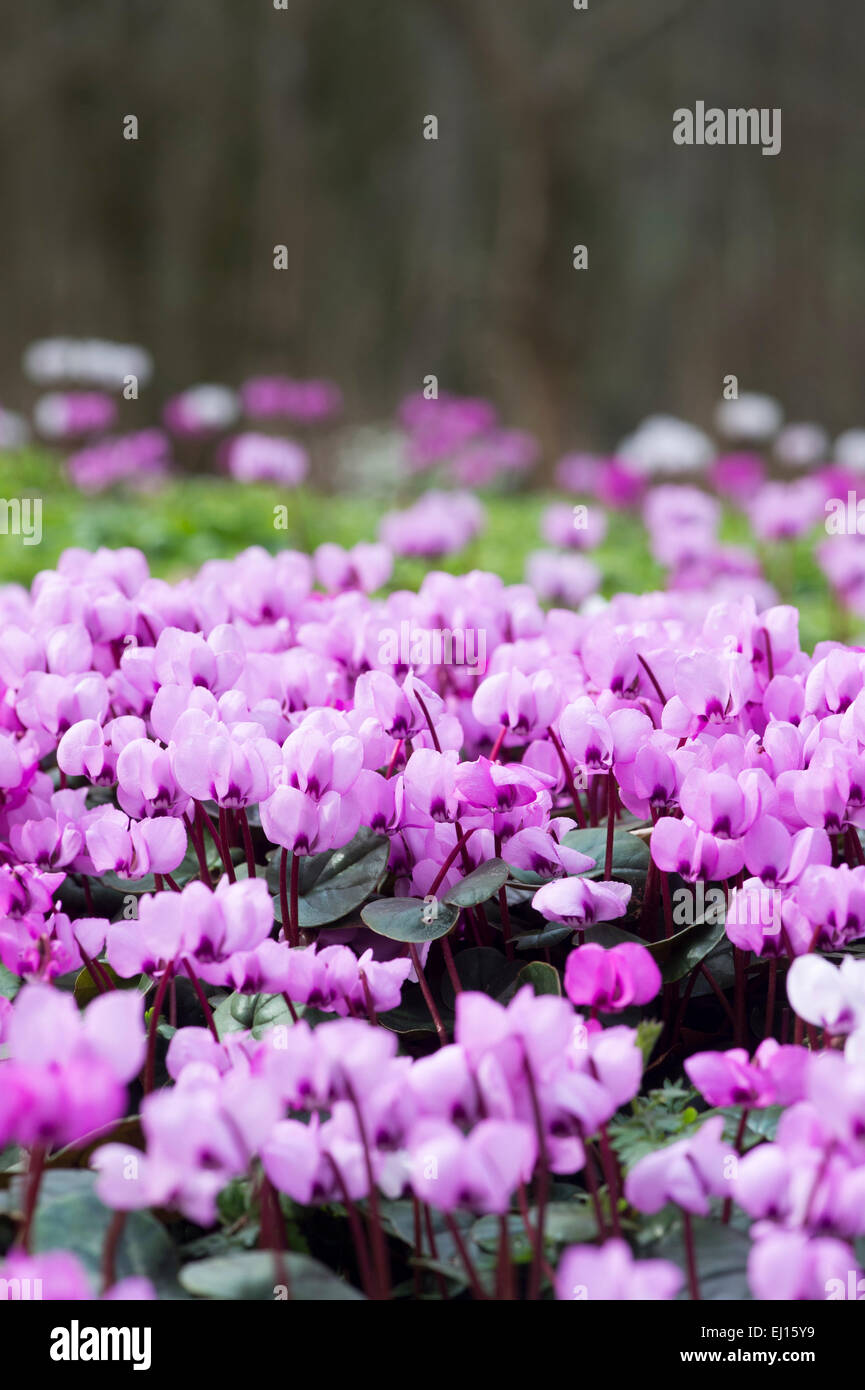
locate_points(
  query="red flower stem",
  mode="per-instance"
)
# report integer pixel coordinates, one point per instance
(100, 981)
(474, 1281)
(225, 844)
(458, 848)
(109, 1249)
(294, 889)
(569, 778)
(430, 725)
(727, 1208)
(592, 1185)
(394, 757)
(504, 1268)
(355, 1224)
(35, 1169)
(503, 906)
(367, 995)
(418, 1245)
(608, 1161)
(691, 1257)
(433, 1247)
(649, 672)
(290, 1006)
(450, 964)
(739, 999)
(377, 1240)
(497, 746)
(522, 1202)
(718, 992)
(204, 819)
(198, 845)
(425, 991)
(770, 997)
(247, 841)
(88, 895)
(150, 1064)
(202, 998)
(543, 1182)
(283, 892)
(612, 805)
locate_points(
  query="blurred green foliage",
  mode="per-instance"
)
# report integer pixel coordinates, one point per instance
(198, 518)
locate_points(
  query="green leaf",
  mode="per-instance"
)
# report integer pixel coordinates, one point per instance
(484, 970)
(568, 1223)
(759, 1126)
(70, 1216)
(402, 919)
(486, 1234)
(480, 885)
(680, 954)
(9, 983)
(722, 1259)
(255, 1013)
(411, 1015)
(333, 884)
(629, 851)
(648, 1032)
(262, 1276)
(543, 978)
(85, 990)
(609, 934)
(539, 940)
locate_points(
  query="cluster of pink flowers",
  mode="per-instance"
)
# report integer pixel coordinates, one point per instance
(230, 749)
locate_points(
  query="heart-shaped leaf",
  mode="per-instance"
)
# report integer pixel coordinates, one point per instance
(680, 954)
(333, 884)
(262, 1276)
(410, 919)
(480, 885)
(70, 1216)
(254, 1013)
(483, 970)
(629, 851)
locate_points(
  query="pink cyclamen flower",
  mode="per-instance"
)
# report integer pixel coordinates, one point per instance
(611, 1274)
(611, 980)
(580, 902)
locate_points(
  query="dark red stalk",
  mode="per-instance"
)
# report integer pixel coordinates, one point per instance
(770, 997)
(612, 806)
(150, 1064)
(497, 746)
(225, 841)
(691, 1257)
(543, 1182)
(740, 1139)
(569, 778)
(356, 1227)
(35, 1169)
(471, 1272)
(294, 890)
(198, 845)
(377, 1240)
(283, 891)
(109, 1249)
(202, 998)
(650, 673)
(247, 841)
(394, 757)
(503, 906)
(427, 994)
(459, 848)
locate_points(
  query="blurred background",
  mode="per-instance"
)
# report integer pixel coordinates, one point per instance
(406, 257)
